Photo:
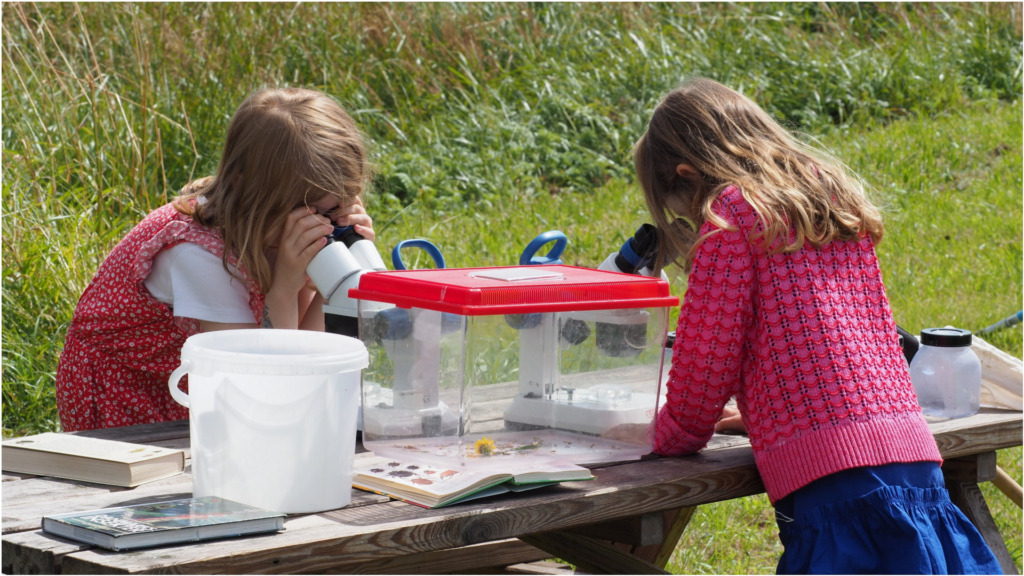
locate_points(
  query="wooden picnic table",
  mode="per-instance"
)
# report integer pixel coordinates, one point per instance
(628, 520)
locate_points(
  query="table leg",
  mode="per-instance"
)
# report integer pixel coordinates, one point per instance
(590, 554)
(640, 545)
(962, 478)
(675, 523)
(635, 532)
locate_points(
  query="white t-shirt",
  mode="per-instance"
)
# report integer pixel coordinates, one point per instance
(194, 283)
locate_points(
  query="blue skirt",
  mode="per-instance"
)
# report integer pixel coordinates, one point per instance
(892, 519)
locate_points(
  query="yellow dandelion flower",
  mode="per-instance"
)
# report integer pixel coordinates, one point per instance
(484, 446)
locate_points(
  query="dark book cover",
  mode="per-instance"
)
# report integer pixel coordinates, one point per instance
(172, 521)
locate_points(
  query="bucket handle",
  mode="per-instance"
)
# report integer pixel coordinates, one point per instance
(177, 393)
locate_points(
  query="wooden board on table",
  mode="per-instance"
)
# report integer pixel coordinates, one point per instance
(343, 540)
(27, 501)
(389, 532)
(988, 430)
(20, 515)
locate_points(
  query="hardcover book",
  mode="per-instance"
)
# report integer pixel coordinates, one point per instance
(431, 486)
(158, 523)
(91, 459)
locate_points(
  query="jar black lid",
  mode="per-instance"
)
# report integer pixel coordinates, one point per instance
(946, 337)
(670, 339)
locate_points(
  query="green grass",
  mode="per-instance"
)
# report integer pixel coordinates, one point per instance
(490, 123)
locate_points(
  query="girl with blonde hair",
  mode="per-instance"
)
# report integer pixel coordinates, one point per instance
(785, 310)
(229, 252)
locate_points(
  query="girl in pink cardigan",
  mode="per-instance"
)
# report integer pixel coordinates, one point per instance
(785, 311)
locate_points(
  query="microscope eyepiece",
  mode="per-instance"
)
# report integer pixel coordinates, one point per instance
(344, 234)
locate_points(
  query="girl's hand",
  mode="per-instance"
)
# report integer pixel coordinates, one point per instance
(731, 421)
(355, 215)
(633, 433)
(303, 235)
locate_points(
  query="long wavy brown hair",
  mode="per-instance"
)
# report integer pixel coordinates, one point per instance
(285, 147)
(800, 193)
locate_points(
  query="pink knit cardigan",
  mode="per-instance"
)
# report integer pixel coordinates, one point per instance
(807, 344)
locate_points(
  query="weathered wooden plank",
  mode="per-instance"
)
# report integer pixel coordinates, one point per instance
(20, 515)
(48, 489)
(341, 541)
(414, 529)
(27, 501)
(477, 559)
(544, 567)
(28, 516)
(983, 432)
(35, 553)
(591, 555)
(469, 559)
(643, 530)
(473, 559)
(298, 549)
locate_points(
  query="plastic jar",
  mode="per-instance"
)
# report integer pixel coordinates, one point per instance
(946, 374)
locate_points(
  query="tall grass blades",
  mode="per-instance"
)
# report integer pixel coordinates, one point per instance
(108, 109)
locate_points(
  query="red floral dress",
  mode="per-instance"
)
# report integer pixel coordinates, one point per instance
(123, 344)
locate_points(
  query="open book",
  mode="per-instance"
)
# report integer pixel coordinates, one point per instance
(91, 459)
(432, 486)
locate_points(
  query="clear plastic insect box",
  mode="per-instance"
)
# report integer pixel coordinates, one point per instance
(519, 361)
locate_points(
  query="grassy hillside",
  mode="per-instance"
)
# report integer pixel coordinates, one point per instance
(108, 109)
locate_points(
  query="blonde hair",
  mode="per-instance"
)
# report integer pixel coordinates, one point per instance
(730, 140)
(285, 147)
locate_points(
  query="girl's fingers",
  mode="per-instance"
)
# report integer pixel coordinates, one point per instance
(305, 255)
(355, 215)
(730, 424)
(290, 223)
(307, 215)
(309, 233)
(302, 229)
(731, 421)
(303, 236)
(357, 220)
(365, 232)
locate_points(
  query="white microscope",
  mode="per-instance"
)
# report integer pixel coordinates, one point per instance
(336, 269)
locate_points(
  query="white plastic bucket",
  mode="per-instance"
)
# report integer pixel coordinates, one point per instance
(272, 416)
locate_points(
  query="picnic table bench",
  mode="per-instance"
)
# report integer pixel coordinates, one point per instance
(626, 521)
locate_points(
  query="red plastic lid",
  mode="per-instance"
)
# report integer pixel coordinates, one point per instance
(513, 289)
